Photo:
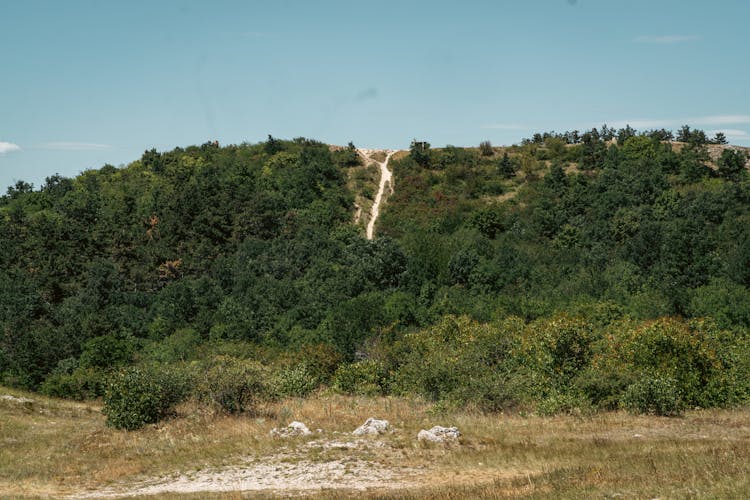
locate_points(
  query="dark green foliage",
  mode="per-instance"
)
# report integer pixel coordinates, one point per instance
(366, 378)
(732, 164)
(80, 384)
(593, 150)
(420, 152)
(464, 362)
(140, 395)
(693, 137)
(654, 396)
(107, 351)
(624, 134)
(347, 157)
(248, 251)
(232, 385)
(462, 265)
(506, 167)
(179, 346)
(719, 138)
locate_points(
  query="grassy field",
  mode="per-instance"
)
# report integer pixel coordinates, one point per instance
(57, 448)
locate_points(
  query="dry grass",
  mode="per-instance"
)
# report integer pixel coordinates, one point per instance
(53, 447)
(363, 181)
(379, 156)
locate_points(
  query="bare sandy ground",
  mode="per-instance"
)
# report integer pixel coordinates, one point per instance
(386, 181)
(289, 472)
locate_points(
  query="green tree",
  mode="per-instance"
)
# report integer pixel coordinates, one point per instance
(420, 152)
(506, 167)
(732, 164)
(719, 138)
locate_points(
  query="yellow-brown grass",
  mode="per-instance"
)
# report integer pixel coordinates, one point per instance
(53, 447)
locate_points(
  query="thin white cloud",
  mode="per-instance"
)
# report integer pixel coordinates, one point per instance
(723, 119)
(74, 146)
(666, 39)
(8, 147)
(506, 126)
(730, 133)
(712, 120)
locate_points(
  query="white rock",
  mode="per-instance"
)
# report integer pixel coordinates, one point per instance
(439, 434)
(292, 430)
(372, 427)
(14, 399)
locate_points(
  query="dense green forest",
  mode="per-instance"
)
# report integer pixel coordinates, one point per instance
(597, 270)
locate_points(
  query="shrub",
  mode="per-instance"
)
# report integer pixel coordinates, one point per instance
(294, 381)
(654, 396)
(232, 385)
(685, 352)
(107, 351)
(567, 403)
(80, 384)
(462, 361)
(366, 378)
(140, 395)
(603, 385)
(180, 346)
(490, 391)
(320, 360)
(558, 348)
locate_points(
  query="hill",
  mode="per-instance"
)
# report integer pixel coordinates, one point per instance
(499, 277)
(195, 298)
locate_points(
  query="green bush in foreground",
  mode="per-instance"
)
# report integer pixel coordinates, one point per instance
(366, 378)
(654, 396)
(140, 395)
(80, 384)
(294, 381)
(233, 385)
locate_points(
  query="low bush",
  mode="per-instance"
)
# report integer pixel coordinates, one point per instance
(293, 381)
(143, 394)
(320, 360)
(80, 384)
(233, 385)
(557, 348)
(654, 396)
(107, 351)
(603, 386)
(687, 352)
(566, 403)
(180, 346)
(367, 378)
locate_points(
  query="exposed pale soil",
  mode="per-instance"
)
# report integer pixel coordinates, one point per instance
(386, 181)
(314, 466)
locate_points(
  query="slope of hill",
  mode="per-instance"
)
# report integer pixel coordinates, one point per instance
(250, 251)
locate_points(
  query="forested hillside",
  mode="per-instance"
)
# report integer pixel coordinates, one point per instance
(606, 269)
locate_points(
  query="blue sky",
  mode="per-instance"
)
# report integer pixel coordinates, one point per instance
(84, 83)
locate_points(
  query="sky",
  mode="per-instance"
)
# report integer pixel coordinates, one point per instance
(86, 83)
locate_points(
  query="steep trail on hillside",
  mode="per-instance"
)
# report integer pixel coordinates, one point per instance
(386, 178)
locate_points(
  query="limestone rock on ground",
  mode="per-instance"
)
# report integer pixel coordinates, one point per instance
(14, 399)
(372, 427)
(292, 430)
(439, 434)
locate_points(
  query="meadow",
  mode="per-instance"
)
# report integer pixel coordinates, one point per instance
(58, 448)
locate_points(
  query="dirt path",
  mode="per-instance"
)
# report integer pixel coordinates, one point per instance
(288, 473)
(386, 179)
